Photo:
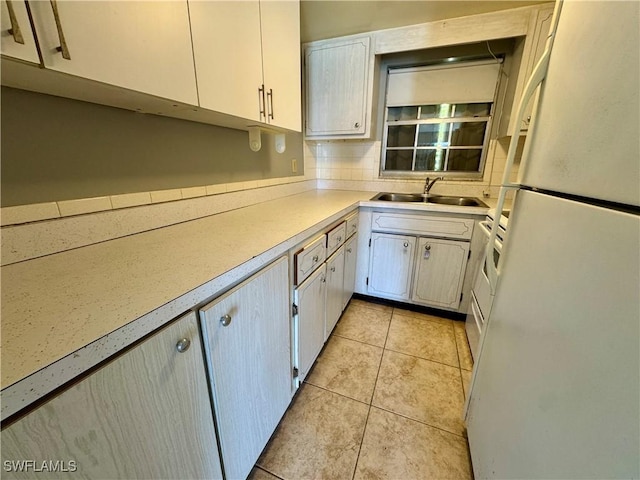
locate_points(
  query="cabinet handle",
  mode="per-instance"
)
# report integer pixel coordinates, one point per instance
(333, 269)
(348, 250)
(15, 26)
(406, 244)
(315, 258)
(261, 102)
(427, 247)
(225, 320)
(183, 345)
(270, 97)
(339, 239)
(323, 279)
(63, 44)
(357, 125)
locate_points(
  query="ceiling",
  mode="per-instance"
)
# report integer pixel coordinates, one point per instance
(322, 19)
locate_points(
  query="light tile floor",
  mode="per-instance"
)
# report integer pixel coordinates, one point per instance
(383, 401)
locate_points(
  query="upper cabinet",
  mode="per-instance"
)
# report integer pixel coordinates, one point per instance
(338, 88)
(140, 46)
(16, 33)
(247, 57)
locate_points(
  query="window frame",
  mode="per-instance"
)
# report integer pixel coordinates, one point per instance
(420, 174)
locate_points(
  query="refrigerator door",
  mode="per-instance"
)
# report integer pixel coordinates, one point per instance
(556, 388)
(584, 140)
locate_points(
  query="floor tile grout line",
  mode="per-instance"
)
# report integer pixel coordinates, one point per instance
(422, 358)
(336, 393)
(354, 340)
(375, 384)
(265, 470)
(418, 421)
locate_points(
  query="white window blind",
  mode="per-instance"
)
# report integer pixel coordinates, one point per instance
(468, 83)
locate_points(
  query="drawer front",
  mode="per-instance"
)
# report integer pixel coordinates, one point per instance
(352, 224)
(310, 258)
(449, 227)
(336, 237)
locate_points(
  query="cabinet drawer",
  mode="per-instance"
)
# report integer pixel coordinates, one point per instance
(336, 237)
(449, 227)
(352, 224)
(310, 258)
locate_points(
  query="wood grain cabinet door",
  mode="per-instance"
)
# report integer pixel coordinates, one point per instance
(248, 345)
(146, 414)
(391, 265)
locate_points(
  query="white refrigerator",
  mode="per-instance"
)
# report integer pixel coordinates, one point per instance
(555, 390)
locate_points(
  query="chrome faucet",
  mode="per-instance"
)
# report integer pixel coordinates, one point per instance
(428, 184)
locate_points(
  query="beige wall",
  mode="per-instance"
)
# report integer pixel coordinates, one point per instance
(326, 19)
(59, 149)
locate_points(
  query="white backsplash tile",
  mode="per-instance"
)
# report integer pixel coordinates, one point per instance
(84, 205)
(29, 213)
(130, 199)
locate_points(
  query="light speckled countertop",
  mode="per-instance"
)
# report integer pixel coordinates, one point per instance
(55, 307)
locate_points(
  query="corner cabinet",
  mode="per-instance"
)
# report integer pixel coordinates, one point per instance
(338, 88)
(17, 38)
(146, 414)
(140, 46)
(247, 340)
(247, 58)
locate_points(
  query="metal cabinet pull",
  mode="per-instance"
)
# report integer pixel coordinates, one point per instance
(339, 239)
(261, 102)
(333, 269)
(15, 26)
(348, 250)
(63, 44)
(270, 97)
(323, 279)
(225, 320)
(357, 125)
(427, 247)
(406, 244)
(315, 258)
(183, 345)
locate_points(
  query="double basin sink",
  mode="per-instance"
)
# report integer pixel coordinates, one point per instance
(427, 198)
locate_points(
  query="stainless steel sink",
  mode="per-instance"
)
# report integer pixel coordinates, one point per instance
(424, 198)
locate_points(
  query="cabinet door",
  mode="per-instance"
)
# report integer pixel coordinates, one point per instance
(228, 56)
(142, 46)
(391, 265)
(350, 257)
(439, 272)
(247, 342)
(20, 43)
(280, 27)
(146, 414)
(337, 76)
(310, 297)
(335, 290)
(543, 24)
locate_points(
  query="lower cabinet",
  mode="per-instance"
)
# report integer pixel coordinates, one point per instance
(350, 261)
(390, 265)
(310, 300)
(145, 414)
(247, 340)
(335, 291)
(439, 272)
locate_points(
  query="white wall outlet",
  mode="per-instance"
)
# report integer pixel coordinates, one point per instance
(294, 165)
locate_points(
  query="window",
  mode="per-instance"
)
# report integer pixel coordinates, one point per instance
(437, 120)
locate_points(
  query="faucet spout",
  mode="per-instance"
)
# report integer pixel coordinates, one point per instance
(428, 184)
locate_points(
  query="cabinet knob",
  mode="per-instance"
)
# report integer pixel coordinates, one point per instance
(333, 269)
(357, 125)
(427, 247)
(323, 279)
(339, 239)
(225, 320)
(183, 345)
(315, 258)
(406, 244)
(348, 250)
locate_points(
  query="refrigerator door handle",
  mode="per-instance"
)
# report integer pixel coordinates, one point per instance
(538, 75)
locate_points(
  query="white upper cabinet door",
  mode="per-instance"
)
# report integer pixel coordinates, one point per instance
(390, 265)
(439, 272)
(337, 88)
(281, 62)
(248, 345)
(228, 57)
(146, 414)
(141, 46)
(16, 34)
